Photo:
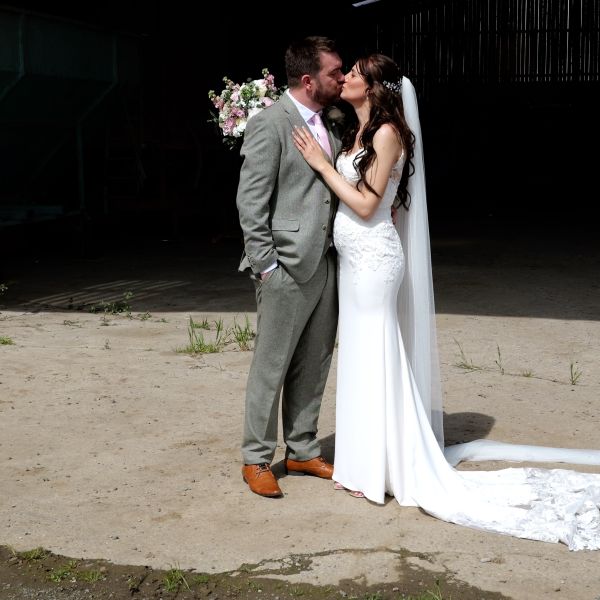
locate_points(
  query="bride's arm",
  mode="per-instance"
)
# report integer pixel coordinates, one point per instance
(362, 201)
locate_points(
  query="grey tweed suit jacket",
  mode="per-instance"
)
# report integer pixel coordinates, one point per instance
(286, 210)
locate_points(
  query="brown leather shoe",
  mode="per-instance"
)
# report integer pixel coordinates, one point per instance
(261, 480)
(318, 467)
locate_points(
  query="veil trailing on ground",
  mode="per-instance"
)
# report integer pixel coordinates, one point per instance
(416, 307)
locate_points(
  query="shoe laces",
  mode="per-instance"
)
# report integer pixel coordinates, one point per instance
(263, 467)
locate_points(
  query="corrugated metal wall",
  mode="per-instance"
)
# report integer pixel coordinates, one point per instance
(497, 42)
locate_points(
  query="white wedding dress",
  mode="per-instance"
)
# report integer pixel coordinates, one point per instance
(386, 413)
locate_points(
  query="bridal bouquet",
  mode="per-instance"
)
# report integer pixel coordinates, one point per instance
(238, 103)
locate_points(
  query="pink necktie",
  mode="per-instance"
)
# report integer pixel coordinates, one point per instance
(321, 132)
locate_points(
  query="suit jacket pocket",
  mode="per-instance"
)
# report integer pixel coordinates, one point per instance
(285, 225)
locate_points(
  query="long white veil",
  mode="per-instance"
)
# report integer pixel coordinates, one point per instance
(416, 311)
(416, 307)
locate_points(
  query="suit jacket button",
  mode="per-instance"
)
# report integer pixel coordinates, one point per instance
(324, 228)
(326, 201)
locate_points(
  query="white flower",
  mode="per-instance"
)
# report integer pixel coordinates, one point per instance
(238, 130)
(261, 87)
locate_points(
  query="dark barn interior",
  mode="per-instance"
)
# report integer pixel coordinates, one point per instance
(104, 115)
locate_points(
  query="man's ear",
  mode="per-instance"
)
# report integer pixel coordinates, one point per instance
(306, 80)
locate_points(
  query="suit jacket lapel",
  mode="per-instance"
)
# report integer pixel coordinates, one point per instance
(294, 117)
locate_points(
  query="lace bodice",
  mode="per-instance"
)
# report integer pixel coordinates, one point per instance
(345, 166)
(372, 243)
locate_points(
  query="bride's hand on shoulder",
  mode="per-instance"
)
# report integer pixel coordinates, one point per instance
(309, 148)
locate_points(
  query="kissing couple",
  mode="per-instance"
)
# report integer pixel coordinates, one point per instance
(315, 206)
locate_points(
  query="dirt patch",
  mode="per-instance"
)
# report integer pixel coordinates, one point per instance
(41, 574)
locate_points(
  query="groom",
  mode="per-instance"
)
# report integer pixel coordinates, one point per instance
(286, 214)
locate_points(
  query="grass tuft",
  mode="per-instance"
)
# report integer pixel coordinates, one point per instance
(464, 362)
(67, 571)
(243, 336)
(198, 345)
(90, 576)
(576, 373)
(38, 553)
(174, 579)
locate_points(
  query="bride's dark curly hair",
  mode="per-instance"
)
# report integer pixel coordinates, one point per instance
(383, 80)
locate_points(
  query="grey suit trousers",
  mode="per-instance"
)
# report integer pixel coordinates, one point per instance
(296, 329)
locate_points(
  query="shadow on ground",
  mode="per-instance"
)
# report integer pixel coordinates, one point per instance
(488, 268)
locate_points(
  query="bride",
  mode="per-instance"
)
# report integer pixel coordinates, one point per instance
(389, 435)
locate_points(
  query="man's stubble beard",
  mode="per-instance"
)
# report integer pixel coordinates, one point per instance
(325, 98)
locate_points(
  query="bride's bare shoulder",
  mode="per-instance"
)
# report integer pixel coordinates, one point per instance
(386, 137)
(387, 133)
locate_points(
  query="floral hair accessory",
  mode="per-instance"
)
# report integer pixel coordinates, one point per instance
(238, 103)
(394, 86)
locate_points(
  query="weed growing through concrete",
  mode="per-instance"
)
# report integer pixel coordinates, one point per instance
(576, 373)
(498, 361)
(200, 324)
(468, 365)
(197, 343)
(223, 336)
(464, 362)
(6, 341)
(243, 336)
